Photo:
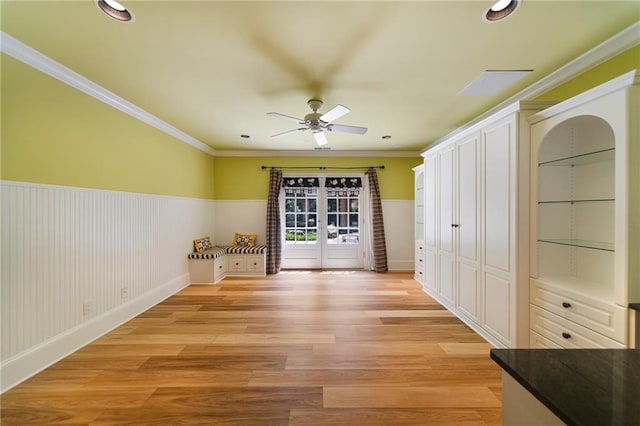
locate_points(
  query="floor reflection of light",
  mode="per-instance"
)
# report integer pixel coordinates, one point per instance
(322, 272)
(295, 272)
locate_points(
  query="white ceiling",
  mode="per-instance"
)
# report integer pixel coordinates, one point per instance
(214, 69)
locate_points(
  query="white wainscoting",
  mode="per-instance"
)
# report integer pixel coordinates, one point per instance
(399, 233)
(78, 262)
(250, 216)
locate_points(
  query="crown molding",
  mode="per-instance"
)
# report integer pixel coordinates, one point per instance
(319, 153)
(624, 40)
(624, 81)
(43, 63)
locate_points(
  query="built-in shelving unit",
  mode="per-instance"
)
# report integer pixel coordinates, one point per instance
(576, 202)
(582, 199)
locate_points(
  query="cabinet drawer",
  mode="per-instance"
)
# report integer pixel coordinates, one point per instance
(236, 263)
(537, 341)
(567, 333)
(218, 267)
(255, 264)
(419, 267)
(605, 318)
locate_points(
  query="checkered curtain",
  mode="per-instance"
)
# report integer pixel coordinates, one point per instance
(378, 241)
(274, 228)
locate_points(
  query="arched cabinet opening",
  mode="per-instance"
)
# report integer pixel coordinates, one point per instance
(576, 206)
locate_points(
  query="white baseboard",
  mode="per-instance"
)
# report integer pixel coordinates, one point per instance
(401, 265)
(24, 365)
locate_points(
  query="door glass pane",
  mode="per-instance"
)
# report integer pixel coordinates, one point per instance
(343, 218)
(301, 224)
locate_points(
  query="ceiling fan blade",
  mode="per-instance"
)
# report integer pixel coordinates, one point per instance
(334, 113)
(286, 117)
(288, 132)
(320, 138)
(347, 129)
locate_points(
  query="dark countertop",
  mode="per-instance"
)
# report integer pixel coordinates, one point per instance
(580, 386)
(635, 306)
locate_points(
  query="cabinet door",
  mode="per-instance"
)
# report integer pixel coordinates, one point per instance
(446, 228)
(499, 196)
(468, 203)
(498, 233)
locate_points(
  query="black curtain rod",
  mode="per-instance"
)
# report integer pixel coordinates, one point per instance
(321, 167)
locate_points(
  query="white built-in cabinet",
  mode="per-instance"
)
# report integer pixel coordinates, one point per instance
(476, 224)
(419, 222)
(585, 218)
(430, 246)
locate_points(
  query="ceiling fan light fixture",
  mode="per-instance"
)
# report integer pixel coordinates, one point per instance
(501, 9)
(318, 122)
(320, 138)
(115, 10)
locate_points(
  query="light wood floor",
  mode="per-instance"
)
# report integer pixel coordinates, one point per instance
(297, 348)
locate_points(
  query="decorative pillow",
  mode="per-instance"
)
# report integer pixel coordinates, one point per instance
(244, 240)
(202, 244)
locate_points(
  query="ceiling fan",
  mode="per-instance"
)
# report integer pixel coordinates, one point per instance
(318, 123)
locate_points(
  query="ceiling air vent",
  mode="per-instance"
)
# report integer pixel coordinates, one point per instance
(492, 82)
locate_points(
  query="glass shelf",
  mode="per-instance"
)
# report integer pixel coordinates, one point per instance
(599, 200)
(595, 245)
(577, 160)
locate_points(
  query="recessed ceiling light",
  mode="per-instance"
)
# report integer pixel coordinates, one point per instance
(115, 10)
(501, 9)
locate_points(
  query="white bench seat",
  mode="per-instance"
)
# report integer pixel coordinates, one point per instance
(216, 263)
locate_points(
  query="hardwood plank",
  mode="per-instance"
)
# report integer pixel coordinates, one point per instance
(384, 417)
(158, 378)
(455, 348)
(379, 348)
(362, 377)
(214, 415)
(202, 399)
(275, 338)
(235, 350)
(47, 416)
(409, 397)
(438, 312)
(155, 339)
(242, 362)
(60, 397)
(357, 361)
(100, 351)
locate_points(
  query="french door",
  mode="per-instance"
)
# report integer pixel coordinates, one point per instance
(322, 224)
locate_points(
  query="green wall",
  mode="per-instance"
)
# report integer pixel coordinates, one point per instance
(55, 134)
(241, 178)
(615, 67)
